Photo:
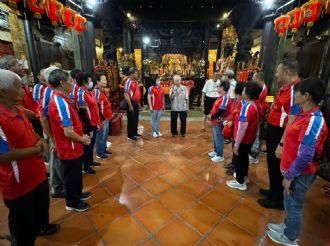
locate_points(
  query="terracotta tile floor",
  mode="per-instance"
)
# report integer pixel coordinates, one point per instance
(166, 191)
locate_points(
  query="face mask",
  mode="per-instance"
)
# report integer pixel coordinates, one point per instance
(90, 85)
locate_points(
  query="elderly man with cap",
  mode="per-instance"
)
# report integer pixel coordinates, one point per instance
(24, 184)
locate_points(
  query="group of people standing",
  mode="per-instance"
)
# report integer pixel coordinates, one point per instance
(296, 137)
(69, 114)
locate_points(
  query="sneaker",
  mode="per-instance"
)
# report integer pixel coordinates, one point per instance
(212, 154)
(160, 134)
(246, 178)
(102, 157)
(235, 185)
(96, 164)
(267, 203)
(280, 238)
(253, 160)
(227, 141)
(81, 207)
(51, 229)
(138, 135)
(217, 159)
(58, 195)
(85, 196)
(276, 227)
(183, 135)
(154, 135)
(89, 170)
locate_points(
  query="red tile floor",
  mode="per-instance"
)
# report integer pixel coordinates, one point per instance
(166, 191)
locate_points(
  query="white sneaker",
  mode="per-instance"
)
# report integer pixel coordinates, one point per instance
(212, 154)
(253, 160)
(217, 159)
(246, 178)
(280, 238)
(276, 227)
(154, 134)
(235, 185)
(160, 134)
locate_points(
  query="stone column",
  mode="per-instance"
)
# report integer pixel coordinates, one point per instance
(35, 65)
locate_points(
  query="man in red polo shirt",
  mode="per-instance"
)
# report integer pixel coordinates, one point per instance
(259, 77)
(282, 113)
(156, 102)
(90, 117)
(105, 113)
(69, 139)
(23, 180)
(75, 87)
(132, 96)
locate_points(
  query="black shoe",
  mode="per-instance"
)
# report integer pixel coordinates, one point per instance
(266, 203)
(85, 196)
(138, 135)
(89, 171)
(183, 135)
(108, 152)
(96, 164)
(227, 141)
(264, 192)
(49, 230)
(81, 207)
(228, 166)
(58, 195)
(132, 138)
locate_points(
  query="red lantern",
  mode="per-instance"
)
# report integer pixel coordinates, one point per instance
(54, 11)
(282, 24)
(37, 7)
(327, 7)
(80, 22)
(68, 17)
(296, 19)
(312, 11)
(13, 3)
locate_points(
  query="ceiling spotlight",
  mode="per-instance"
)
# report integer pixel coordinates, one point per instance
(129, 15)
(120, 49)
(218, 26)
(225, 15)
(146, 40)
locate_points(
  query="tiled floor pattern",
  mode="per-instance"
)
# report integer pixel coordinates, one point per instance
(166, 191)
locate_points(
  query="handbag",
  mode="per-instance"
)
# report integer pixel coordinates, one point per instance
(227, 132)
(123, 104)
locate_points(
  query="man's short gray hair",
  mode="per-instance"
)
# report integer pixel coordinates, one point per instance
(7, 61)
(177, 78)
(7, 79)
(230, 73)
(47, 72)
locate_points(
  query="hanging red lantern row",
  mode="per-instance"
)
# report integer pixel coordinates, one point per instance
(68, 17)
(80, 23)
(296, 19)
(312, 11)
(282, 24)
(37, 7)
(13, 3)
(54, 11)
